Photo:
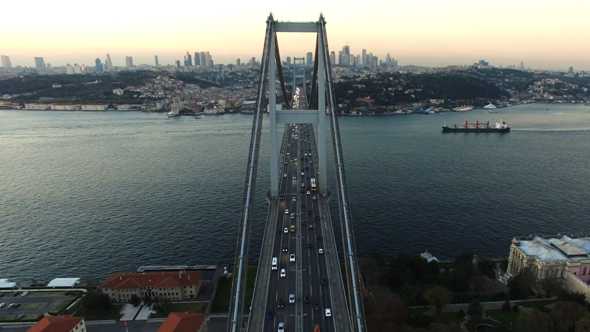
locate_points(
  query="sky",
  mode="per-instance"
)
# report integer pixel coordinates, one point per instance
(543, 34)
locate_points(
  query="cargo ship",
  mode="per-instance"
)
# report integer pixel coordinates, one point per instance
(477, 127)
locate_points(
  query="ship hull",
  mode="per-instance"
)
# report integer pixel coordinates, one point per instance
(475, 130)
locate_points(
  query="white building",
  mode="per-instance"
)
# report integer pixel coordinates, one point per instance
(36, 106)
(69, 69)
(118, 91)
(94, 107)
(65, 107)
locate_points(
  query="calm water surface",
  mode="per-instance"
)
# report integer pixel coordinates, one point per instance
(89, 194)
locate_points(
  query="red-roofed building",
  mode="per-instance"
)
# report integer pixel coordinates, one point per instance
(59, 324)
(184, 322)
(163, 285)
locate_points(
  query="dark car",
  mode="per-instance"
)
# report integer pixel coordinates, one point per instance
(317, 217)
(302, 204)
(304, 223)
(306, 299)
(307, 167)
(324, 281)
(316, 307)
(280, 304)
(285, 249)
(309, 212)
(303, 191)
(269, 314)
(282, 198)
(319, 237)
(309, 245)
(20, 316)
(1, 294)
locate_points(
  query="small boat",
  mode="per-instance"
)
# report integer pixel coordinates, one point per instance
(490, 106)
(463, 108)
(197, 117)
(172, 113)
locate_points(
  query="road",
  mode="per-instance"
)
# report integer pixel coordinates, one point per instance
(307, 277)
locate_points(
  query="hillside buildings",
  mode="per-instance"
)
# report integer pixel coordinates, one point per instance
(171, 286)
(564, 258)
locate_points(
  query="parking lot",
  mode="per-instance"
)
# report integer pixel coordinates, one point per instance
(33, 305)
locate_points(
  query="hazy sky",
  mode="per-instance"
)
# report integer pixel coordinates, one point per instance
(541, 33)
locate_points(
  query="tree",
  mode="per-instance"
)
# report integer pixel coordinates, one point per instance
(475, 309)
(135, 300)
(520, 285)
(487, 268)
(551, 286)
(506, 306)
(439, 296)
(577, 297)
(583, 324)
(97, 302)
(565, 314)
(533, 321)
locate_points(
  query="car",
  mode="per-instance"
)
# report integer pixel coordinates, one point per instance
(294, 199)
(308, 178)
(292, 228)
(305, 154)
(307, 167)
(306, 299)
(284, 273)
(291, 298)
(20, 316)
(286, 163)
(24, 293)
(317, 217)
(285, 249)
(320, 251)
(324, 281)
(269, 314)
(294, 177)
(316, 307)
(309, 245)
(311, 161)
(308, 142)
(282, 197)
(310, 226)
(308, 192)
(303, 191)
(302, 204)
(286, 211)
(315, 197)
(309, 212)
(319, 237)
(2, 304)
(286, 230)
(10, 305)
(328, 312)
(295, 159)
(1, 294)
(303, 173)
(292, 216)
(304, 223)
(292, 258)
(284, 175)
(280, 304)
(281, 327)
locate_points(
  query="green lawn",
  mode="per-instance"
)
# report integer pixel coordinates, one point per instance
(535, 304)
(417, 311)
(111, 315)
(449, 317)
(167, 308)
(223, 295)
(506, 318)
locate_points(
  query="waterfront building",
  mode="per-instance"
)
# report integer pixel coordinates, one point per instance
(39, 63)
(36, 106)
(156, 61)
(565, 258)
(65, 107)
(128, 61)
(6, 62)
(59, 324)
(309, 58)
(94, 107)
(184, 322)
(97, 65)
(171, 286)
(109, 63)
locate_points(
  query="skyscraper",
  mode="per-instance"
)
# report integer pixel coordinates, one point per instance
(177, 63)
(97, 65)
(238, 63)
(109, 63)
(364, 58)
(39, 63)
(332, 58)
(156, 60)
(188, 60)
(6, 62)
(309, 58)
(340, 57)
(197, 59)
(346, 50)
(388, 59)
(128, 61)
(288, 62)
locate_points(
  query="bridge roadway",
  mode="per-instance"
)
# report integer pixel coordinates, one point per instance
(304, 276)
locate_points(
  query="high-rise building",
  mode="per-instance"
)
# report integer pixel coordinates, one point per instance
(340, 53)
(97, 65)
(39, 63)
(346, 50)
(156, 61)
(364, 58)
(238, 63)
(309, 58)
(109, 63)
(288, 62)
(128, 61)
(203, 57)
(252, 62)
(388, 59)
(6, 62)
(177, 63)
(208, 60)
(332, 58)
(188, 60)
(197, 59)
(77, 69)
(69, 69)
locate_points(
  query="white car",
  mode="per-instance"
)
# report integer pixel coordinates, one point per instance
(2, 304)
(284, 175)
(292, 258)
(24, 293)
(302, 173)
(294, 199)
(328, 312)
(286, 230)
(281, 327)
(286, 211)
(295, 160)
(315, 197)
(291, 298)
(283, 273)
(320, 251)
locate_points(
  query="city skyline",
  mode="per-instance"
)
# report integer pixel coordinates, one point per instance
(428, 33)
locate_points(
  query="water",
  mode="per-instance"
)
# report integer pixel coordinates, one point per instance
(89, 194)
